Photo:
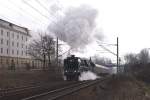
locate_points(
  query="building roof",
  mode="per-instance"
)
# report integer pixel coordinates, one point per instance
(14, 27)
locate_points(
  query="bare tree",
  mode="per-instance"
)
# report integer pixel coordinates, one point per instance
(42, 49)
(103, 61)
(144, 56)
(136, 62)
(131, 59)
(49, 45)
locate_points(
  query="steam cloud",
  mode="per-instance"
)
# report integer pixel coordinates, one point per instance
(77, 26)
(88, 76)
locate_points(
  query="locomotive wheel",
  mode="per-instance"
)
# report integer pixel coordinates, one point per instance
(71, 77)
(67, 78)
(77, 78)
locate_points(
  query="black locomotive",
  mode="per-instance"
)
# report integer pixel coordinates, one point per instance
(74, 66)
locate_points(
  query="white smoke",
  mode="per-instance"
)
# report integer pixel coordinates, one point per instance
(88, 76)
(77, 27)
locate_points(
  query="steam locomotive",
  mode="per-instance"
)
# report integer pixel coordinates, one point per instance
(74, 66)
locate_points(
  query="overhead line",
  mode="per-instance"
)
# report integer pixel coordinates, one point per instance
(35, 9)
(48, 18)
(45, 8)
(108, 50)
(42, 5)
(107, 44)
(26, 12)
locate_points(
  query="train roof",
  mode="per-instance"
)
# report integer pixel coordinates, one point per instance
(101, 66)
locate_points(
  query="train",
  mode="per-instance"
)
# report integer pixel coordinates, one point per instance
(74, 66)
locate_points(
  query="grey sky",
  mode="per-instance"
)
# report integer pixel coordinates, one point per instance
(127, 19)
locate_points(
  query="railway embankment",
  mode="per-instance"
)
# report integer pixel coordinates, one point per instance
(117, 87)
(12, 79)
(114, 88)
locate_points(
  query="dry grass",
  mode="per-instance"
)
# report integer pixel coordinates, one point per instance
(9, 79)
(115, 88)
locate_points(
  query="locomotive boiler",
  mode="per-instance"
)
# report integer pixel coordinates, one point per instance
(74, 66)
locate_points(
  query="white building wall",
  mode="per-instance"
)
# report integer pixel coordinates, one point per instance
(14, 40)
(17, 38)
(10, 36)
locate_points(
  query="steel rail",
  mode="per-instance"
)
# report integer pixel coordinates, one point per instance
(61, 92)
(14, 88)
(53, 91)
(21, 90)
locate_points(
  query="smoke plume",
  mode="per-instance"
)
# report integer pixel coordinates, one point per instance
(88, 76)
(77, 26)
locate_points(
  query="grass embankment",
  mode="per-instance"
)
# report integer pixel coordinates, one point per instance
(122, 87)
(118, 87)
(9, 79)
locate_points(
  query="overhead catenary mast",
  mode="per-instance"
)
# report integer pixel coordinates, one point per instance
(57, 51)
(117, 55)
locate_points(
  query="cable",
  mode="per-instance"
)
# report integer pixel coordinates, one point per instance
(7, 19)
(21, 9)
(108, 50)
(42, 5)
(35, 9)
(107, 44)
(64, 52)
(54, 17)
(24, 13)
(39, 12)
(103, 52)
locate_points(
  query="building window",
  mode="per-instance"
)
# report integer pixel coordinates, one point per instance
(12, 35)
(22, 45)
(7, 34)
(26, 53)
(1, 50)
(22, 37)
(13, 43)
(17, 44)
(7, 51)
(12, 51)
(17, 52)
(26, 39)
(1, 32)
(7, 42)
(1, 41)
(18, 36)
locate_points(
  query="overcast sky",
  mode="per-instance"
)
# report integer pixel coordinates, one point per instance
(127, 19)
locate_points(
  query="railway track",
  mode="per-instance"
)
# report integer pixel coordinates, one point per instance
(14, 88)
(65, 91)
(21, 92)
(45, 91)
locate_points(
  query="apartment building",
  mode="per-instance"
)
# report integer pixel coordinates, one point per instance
(13, 46)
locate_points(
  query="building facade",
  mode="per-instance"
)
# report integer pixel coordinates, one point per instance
(13, 46)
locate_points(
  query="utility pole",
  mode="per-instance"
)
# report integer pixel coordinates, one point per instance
(117, 55)
(57, 51)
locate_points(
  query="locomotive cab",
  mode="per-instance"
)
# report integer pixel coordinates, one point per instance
(71, 68)
(84, 66)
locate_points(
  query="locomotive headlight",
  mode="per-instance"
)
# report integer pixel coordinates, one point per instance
(66, 71)
(75, 71)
